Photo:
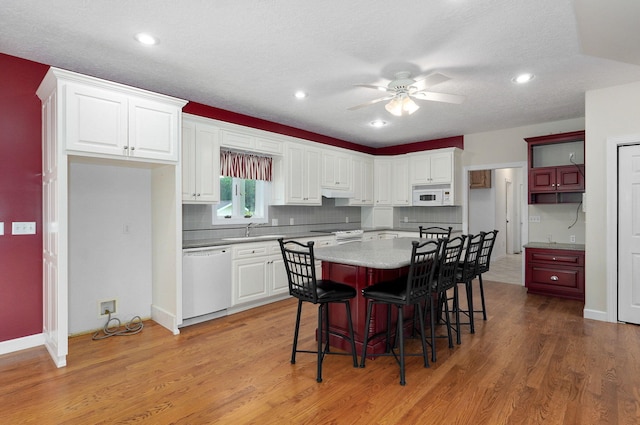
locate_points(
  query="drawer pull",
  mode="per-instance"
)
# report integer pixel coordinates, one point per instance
(554, 278)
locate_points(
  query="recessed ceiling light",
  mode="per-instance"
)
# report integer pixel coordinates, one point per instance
(523, 78)
(146, 39)
(378, 123)
(300, 94)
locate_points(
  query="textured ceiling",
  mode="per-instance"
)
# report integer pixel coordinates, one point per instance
(250, 56)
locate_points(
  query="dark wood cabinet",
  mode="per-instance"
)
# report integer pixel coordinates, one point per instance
(556, 168)
(480, 179)
(555, 272)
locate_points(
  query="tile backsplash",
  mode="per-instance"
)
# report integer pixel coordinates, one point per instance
(196, 220)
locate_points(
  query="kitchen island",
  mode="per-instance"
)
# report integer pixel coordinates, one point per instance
(362, 264)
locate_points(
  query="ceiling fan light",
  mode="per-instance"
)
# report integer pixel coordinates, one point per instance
(409, 106)
(394, 107)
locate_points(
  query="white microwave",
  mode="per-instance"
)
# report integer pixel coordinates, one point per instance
(431, 197)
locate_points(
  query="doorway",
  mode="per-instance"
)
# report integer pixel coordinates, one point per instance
(503, 207)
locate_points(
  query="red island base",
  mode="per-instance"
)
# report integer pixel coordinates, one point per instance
(360, 277)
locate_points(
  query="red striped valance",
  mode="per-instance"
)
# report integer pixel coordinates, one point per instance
(245, 166)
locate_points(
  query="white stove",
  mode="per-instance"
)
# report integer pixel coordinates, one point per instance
(346, 236)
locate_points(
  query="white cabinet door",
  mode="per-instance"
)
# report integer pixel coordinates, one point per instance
(249, 280)
(401, 187)
(382, 186)
(153, 130)
(278, 276)
(188, 161)
(433, 168)
(95, 120)
(367, 182)
(441, 168)
(336, 170)
(303, 177)
(200, 163)
(361, 183)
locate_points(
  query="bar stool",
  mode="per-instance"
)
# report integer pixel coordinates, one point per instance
(467, 271)
(435, 232)
(301, 273)
(484, 261)
(411, 290)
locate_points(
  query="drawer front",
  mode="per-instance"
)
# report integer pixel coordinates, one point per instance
(568, 278)
(553, 258)
(240, 251)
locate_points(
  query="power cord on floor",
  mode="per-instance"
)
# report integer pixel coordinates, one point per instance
(132, 327)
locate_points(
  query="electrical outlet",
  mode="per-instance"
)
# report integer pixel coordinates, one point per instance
(107, 307)
(406, 219)
(346, 219)
(274, 221)
(571, 155)
(534, 219)
(572, 238)
(291, 221)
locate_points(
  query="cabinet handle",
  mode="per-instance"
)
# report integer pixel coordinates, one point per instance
(198, 194)
(554, 278)
(133, 148)
(193, 194)
(126, 147)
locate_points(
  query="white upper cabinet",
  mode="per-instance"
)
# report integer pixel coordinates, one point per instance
(200, 163)
(432, 168)
(383, 172)
(111, 120)
(361, 183)
(297, 177)
(401, 193)
(336, 170)
(250, 143)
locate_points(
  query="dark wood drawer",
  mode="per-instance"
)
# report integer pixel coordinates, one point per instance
(567, 278)
(554, 257)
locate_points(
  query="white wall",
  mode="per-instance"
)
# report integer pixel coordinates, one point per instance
(507, 147)
(104, 261)
(610, 112)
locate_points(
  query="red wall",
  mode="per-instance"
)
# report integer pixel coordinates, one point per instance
(20, 197)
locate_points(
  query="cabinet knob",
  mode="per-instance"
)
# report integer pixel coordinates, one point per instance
(126, 147)
(554, 278)
(133, 148)
(193, 194)
(198, 194)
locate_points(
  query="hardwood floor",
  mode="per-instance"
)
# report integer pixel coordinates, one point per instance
(535, 360)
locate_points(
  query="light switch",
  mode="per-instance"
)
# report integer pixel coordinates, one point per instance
(1, 228)
(23, 228)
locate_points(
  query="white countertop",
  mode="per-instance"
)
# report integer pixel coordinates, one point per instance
(376, 254)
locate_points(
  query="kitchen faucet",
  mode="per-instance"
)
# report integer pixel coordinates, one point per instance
(248, 229)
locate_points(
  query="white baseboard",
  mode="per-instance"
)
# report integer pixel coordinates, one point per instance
(165, 319)
(23, 343)
(601, 316)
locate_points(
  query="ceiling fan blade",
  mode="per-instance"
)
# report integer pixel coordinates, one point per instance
(372, 102)
(430, 81)
(439, 97)
(372, 86)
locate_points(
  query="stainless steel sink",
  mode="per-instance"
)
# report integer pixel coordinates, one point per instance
(252, 238)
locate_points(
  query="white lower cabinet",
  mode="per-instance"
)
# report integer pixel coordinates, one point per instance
(258, 274)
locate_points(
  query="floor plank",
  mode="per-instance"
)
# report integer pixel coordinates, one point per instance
(535, 360)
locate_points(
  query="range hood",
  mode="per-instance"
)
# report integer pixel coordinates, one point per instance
(335, 193)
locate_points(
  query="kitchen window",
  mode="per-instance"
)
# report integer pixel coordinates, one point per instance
(244, 188)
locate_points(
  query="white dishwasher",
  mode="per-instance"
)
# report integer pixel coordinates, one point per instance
(206, 280)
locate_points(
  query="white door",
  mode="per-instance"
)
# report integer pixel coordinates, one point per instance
(629, 234)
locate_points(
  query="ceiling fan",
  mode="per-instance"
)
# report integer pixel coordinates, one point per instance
(403, 89)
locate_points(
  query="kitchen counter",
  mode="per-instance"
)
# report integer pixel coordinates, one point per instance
(377, 254)
(554, 245)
